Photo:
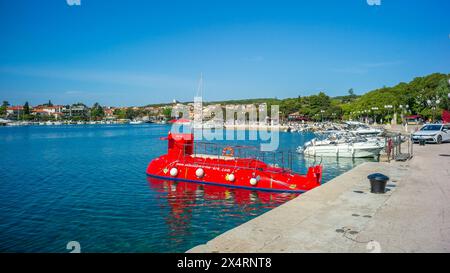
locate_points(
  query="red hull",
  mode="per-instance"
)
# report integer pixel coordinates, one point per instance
(181, 164)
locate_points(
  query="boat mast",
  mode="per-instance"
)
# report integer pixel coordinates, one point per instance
(198, 102)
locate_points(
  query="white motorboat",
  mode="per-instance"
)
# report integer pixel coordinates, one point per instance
(343, 145)
(367, 131)
(362, 129)
(136, 122)
(14, 124)
(352, 150)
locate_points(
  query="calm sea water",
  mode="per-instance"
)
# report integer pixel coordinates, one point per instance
(88, 184)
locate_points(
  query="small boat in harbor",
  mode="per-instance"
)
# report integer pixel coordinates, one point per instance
(363, 130)
(190, 161)
(4, 122)
(351, 150)
(343, 145)
(136, 122)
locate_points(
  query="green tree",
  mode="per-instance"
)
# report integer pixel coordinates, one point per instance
(79, 104)
(125, 113)
(443, 91)
(26, 108)
(351, 93)
(97, 111)
(4, 107)
(26, 115)
(414, 94)
(167, 112)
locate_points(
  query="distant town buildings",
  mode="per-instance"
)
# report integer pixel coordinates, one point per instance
(80, 111)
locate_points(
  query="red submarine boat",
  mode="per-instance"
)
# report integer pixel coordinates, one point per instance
(183, 163)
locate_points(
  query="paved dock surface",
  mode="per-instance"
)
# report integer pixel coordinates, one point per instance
(343, 216)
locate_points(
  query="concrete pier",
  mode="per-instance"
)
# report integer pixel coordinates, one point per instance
(343, 216)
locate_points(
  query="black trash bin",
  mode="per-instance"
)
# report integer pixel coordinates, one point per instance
(378, 182)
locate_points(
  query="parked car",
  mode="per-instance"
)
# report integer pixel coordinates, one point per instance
(433, 133)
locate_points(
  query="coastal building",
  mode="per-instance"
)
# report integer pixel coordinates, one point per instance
(152, 111)
(297, 117)
(241, 113)
(191, 110)
(182, 110)
(210, 111)
(76, 110)
(14, 111)
(54, 111)
(109, 112)
(414, 119)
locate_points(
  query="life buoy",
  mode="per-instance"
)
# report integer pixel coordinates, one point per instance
(173, 172)
(230, 177)
(228, 151)
(199, 172)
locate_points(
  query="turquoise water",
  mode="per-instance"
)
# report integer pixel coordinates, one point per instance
(88, 184)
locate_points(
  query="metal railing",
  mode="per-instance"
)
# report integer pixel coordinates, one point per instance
(393, 147)
(280, 159)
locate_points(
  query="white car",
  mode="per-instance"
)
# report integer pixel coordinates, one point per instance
(434, 133)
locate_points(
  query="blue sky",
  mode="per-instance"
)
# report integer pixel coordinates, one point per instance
(138, 52)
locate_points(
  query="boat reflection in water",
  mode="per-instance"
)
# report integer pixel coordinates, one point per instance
(196, 207)
(334, 166)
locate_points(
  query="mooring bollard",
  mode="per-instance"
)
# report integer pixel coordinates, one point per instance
(378, 182)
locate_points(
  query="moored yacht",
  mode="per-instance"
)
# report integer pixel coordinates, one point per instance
(343, 145)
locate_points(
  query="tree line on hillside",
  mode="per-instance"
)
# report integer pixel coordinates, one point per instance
(418, 97)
